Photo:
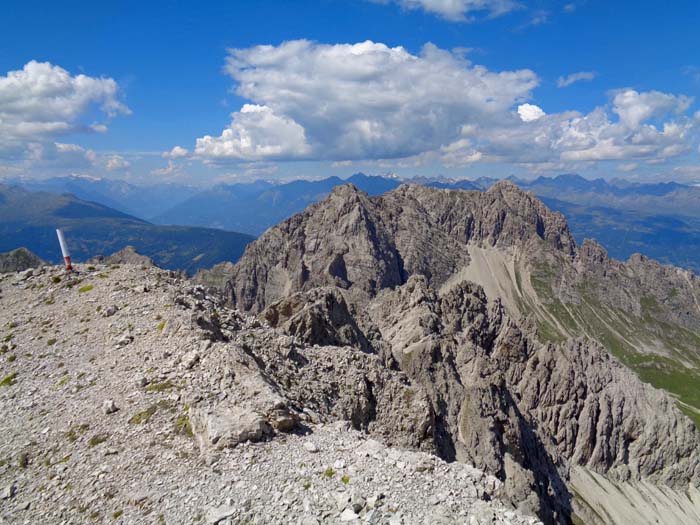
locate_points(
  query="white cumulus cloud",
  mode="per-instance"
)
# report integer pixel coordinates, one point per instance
(117, 163)
(633, 107)
(43, 100)
(649, 125)
(256, 133)
(177, 152)
(172, 169)
(357, 101)
(370, 102)
(530, 112)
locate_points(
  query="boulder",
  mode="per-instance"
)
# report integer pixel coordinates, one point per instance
(225, 426)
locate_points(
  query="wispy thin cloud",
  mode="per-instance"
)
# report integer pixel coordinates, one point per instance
(581, 76)
(693, 72)
(458, 10)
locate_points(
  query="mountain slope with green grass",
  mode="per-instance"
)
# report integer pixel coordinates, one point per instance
(30, 219)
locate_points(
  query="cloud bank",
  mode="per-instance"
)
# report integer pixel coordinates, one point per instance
(368, 101)
(357, 101)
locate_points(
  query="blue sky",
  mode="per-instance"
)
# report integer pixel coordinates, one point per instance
(487, 96)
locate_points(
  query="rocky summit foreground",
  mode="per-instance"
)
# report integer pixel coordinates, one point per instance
(130, 396)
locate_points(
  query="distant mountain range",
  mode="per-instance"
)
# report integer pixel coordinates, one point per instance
(144, 202)
(254, 207)
(29, 219)
(660, 220)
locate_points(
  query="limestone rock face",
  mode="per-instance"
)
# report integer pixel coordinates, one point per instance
(365, 244)
(283, 379)
(340, 242)
(319, 316)
(517, 383)
(527, 411)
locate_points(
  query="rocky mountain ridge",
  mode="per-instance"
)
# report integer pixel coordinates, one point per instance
(375, 243)
(428, 320)
(526, 393)
(504, 239)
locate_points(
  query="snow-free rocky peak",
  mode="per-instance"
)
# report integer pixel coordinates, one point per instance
(521, 341)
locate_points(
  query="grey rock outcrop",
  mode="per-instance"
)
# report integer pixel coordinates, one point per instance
(19, 260)
(217, 276)
(127, 255)
(365, 244)
(283, 381)
(319, 316)
(227, 425)
(527, 411)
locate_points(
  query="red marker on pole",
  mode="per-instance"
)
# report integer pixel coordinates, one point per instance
(64, 250)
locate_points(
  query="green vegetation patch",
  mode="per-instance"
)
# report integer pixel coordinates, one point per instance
(142, 417)
(183, 426)
(160, 387)
(75, 432)
(85, 288)
(97, 439)
(9, 380)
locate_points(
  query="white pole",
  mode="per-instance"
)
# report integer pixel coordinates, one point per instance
(64, 250)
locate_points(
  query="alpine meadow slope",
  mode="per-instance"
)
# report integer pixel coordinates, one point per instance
(31, 218)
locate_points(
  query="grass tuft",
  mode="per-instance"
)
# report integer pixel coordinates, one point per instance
(9, 380)
(142, 417)
(97, 439)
